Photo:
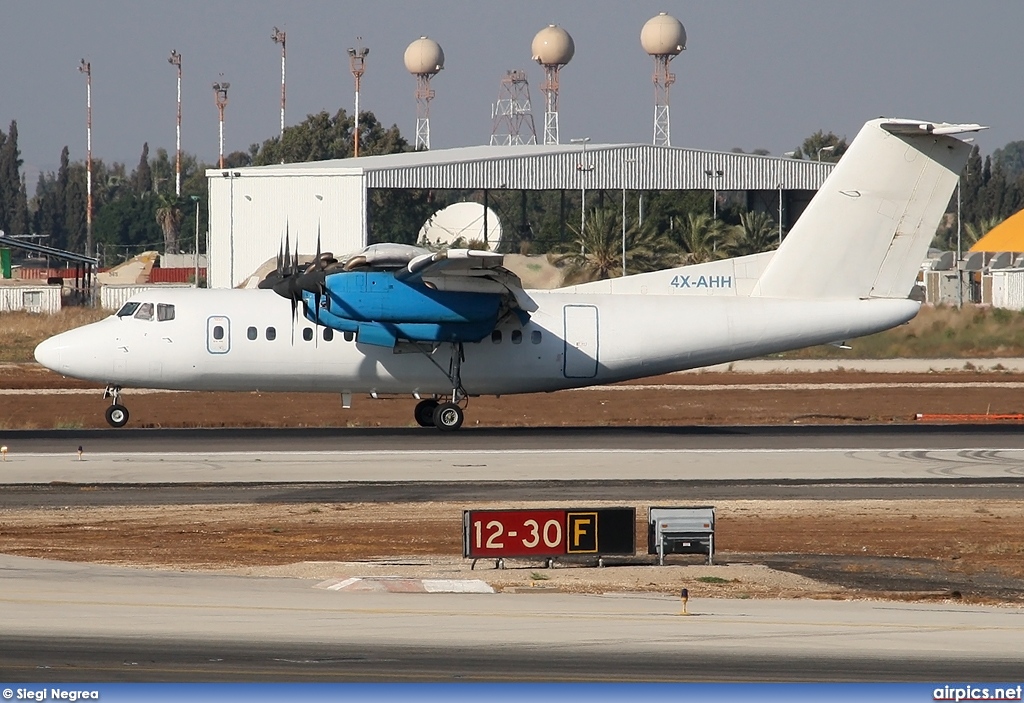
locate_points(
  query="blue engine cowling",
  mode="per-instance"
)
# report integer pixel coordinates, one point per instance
(381, 309)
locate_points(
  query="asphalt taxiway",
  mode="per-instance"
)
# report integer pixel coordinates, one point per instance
(77, 622)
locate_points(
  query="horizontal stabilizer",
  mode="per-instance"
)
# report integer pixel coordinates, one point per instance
(915, 127)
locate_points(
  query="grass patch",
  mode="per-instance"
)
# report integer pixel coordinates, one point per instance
(20, 332)
(537, 576)
(938, 332)
(712, 579)
(68, 423)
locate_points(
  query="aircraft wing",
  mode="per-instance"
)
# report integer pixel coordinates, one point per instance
(467, 271)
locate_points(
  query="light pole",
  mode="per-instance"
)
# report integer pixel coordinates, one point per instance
(195, 199)
(583, 167)
(716, 174)
(624, 162)
(220, 96)
(279, 38)
(357, 64)
(825, 148)
(175, 60)
(787, 155)
(86, 68)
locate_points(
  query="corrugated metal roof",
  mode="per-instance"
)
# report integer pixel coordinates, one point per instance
(564, 166)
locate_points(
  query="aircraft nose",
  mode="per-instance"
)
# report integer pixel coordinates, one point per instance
(48, 353)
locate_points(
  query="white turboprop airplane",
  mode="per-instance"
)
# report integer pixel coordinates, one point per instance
(444, 327)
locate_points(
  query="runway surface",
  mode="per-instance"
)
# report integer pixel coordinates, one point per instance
(817, 453)
(80, 622)
(146, 625)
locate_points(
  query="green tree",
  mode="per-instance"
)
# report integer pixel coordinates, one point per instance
(127, 226)
(974, 231)
(817, 142)
(13, 201)
(702, 238)
(320, 137)
(596, 253)
(169, 216)
(756, 233)
(1011, 159)
(142, 177)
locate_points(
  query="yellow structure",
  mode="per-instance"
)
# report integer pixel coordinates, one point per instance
(1008, 235)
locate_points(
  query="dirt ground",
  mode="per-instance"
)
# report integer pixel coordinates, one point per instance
(678, 399)
(906, 549)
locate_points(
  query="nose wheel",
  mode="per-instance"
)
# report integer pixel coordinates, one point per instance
(117, 414)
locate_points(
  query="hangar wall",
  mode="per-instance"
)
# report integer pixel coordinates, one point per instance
(250, 213)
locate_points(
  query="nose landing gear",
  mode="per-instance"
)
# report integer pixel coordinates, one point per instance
(117, 414)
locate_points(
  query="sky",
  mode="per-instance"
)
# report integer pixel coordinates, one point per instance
(755, 73)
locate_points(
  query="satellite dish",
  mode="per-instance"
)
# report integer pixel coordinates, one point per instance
(1002, 260)
(458, 225)
(944, 262)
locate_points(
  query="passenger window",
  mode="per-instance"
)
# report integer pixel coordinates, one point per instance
(328, 334)
(145, 312)
(271, 334)
(164, 312)
(218, 332)
(535, 337)
(127, 309)
(517, 337)
(251, 333)
(307, 334)
(496, 336)
(349, 336)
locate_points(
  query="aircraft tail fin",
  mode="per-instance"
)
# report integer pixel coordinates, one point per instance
(867, 230)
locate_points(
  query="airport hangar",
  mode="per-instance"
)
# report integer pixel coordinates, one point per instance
(251, 208)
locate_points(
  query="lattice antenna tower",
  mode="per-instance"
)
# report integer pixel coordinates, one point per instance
(423, 59)
(663, 37)
(512, 115)
(552, 48)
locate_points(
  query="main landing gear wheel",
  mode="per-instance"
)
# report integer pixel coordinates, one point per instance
(448, 417)
(424, 412)
(117, 415)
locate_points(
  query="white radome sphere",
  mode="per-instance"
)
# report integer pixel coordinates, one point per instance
(552, 46)
(424, 56)
(663, 36)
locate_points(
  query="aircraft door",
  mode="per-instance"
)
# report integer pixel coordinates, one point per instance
(218, 334)
(581, 341)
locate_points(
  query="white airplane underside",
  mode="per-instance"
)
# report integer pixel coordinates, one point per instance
(447, 326)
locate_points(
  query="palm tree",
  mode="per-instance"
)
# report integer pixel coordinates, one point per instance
(596, 253)
(974, 231)
(703, 238)
(169, 217)
(756, 233)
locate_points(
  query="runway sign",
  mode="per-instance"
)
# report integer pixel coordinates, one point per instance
(548, 533)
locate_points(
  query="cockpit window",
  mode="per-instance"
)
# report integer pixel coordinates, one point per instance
(128, 309)
(164, 312)
(145, 312)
